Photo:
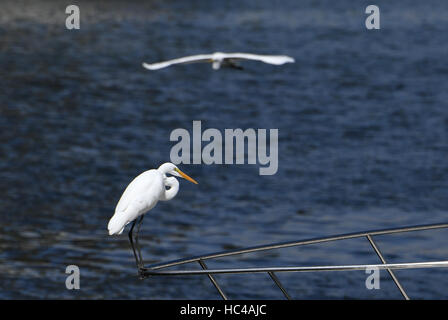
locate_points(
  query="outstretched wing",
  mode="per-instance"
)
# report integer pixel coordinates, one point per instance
(189, 59)
(277, 60)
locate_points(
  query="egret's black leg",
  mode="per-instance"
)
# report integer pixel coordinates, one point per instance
(235, 65)
(140, 220)
(132, 243)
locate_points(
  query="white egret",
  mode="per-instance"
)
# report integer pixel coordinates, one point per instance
(140, 196)
(219, 58)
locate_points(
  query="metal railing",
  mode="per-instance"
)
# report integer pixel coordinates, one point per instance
(158, 269)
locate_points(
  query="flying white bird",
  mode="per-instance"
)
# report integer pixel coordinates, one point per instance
(140, 196)
(219, 59)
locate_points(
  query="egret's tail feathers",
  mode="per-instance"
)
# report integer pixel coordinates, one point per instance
(117, 223)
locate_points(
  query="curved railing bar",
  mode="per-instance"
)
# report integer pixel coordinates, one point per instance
(388, 266)
(293, 243)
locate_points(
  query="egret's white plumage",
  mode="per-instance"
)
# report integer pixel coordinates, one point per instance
(219, 58)
(143, 193)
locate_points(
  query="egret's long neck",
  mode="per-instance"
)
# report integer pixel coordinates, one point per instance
(173, 185)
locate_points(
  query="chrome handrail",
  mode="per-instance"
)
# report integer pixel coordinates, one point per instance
(386, 266)
(157, 269)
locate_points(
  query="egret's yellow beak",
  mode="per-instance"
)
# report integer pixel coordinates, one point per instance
(185, 176)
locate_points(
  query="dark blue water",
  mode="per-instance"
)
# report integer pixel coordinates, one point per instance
(363, 143)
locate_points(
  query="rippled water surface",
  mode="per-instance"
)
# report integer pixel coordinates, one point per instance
(363, 143)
